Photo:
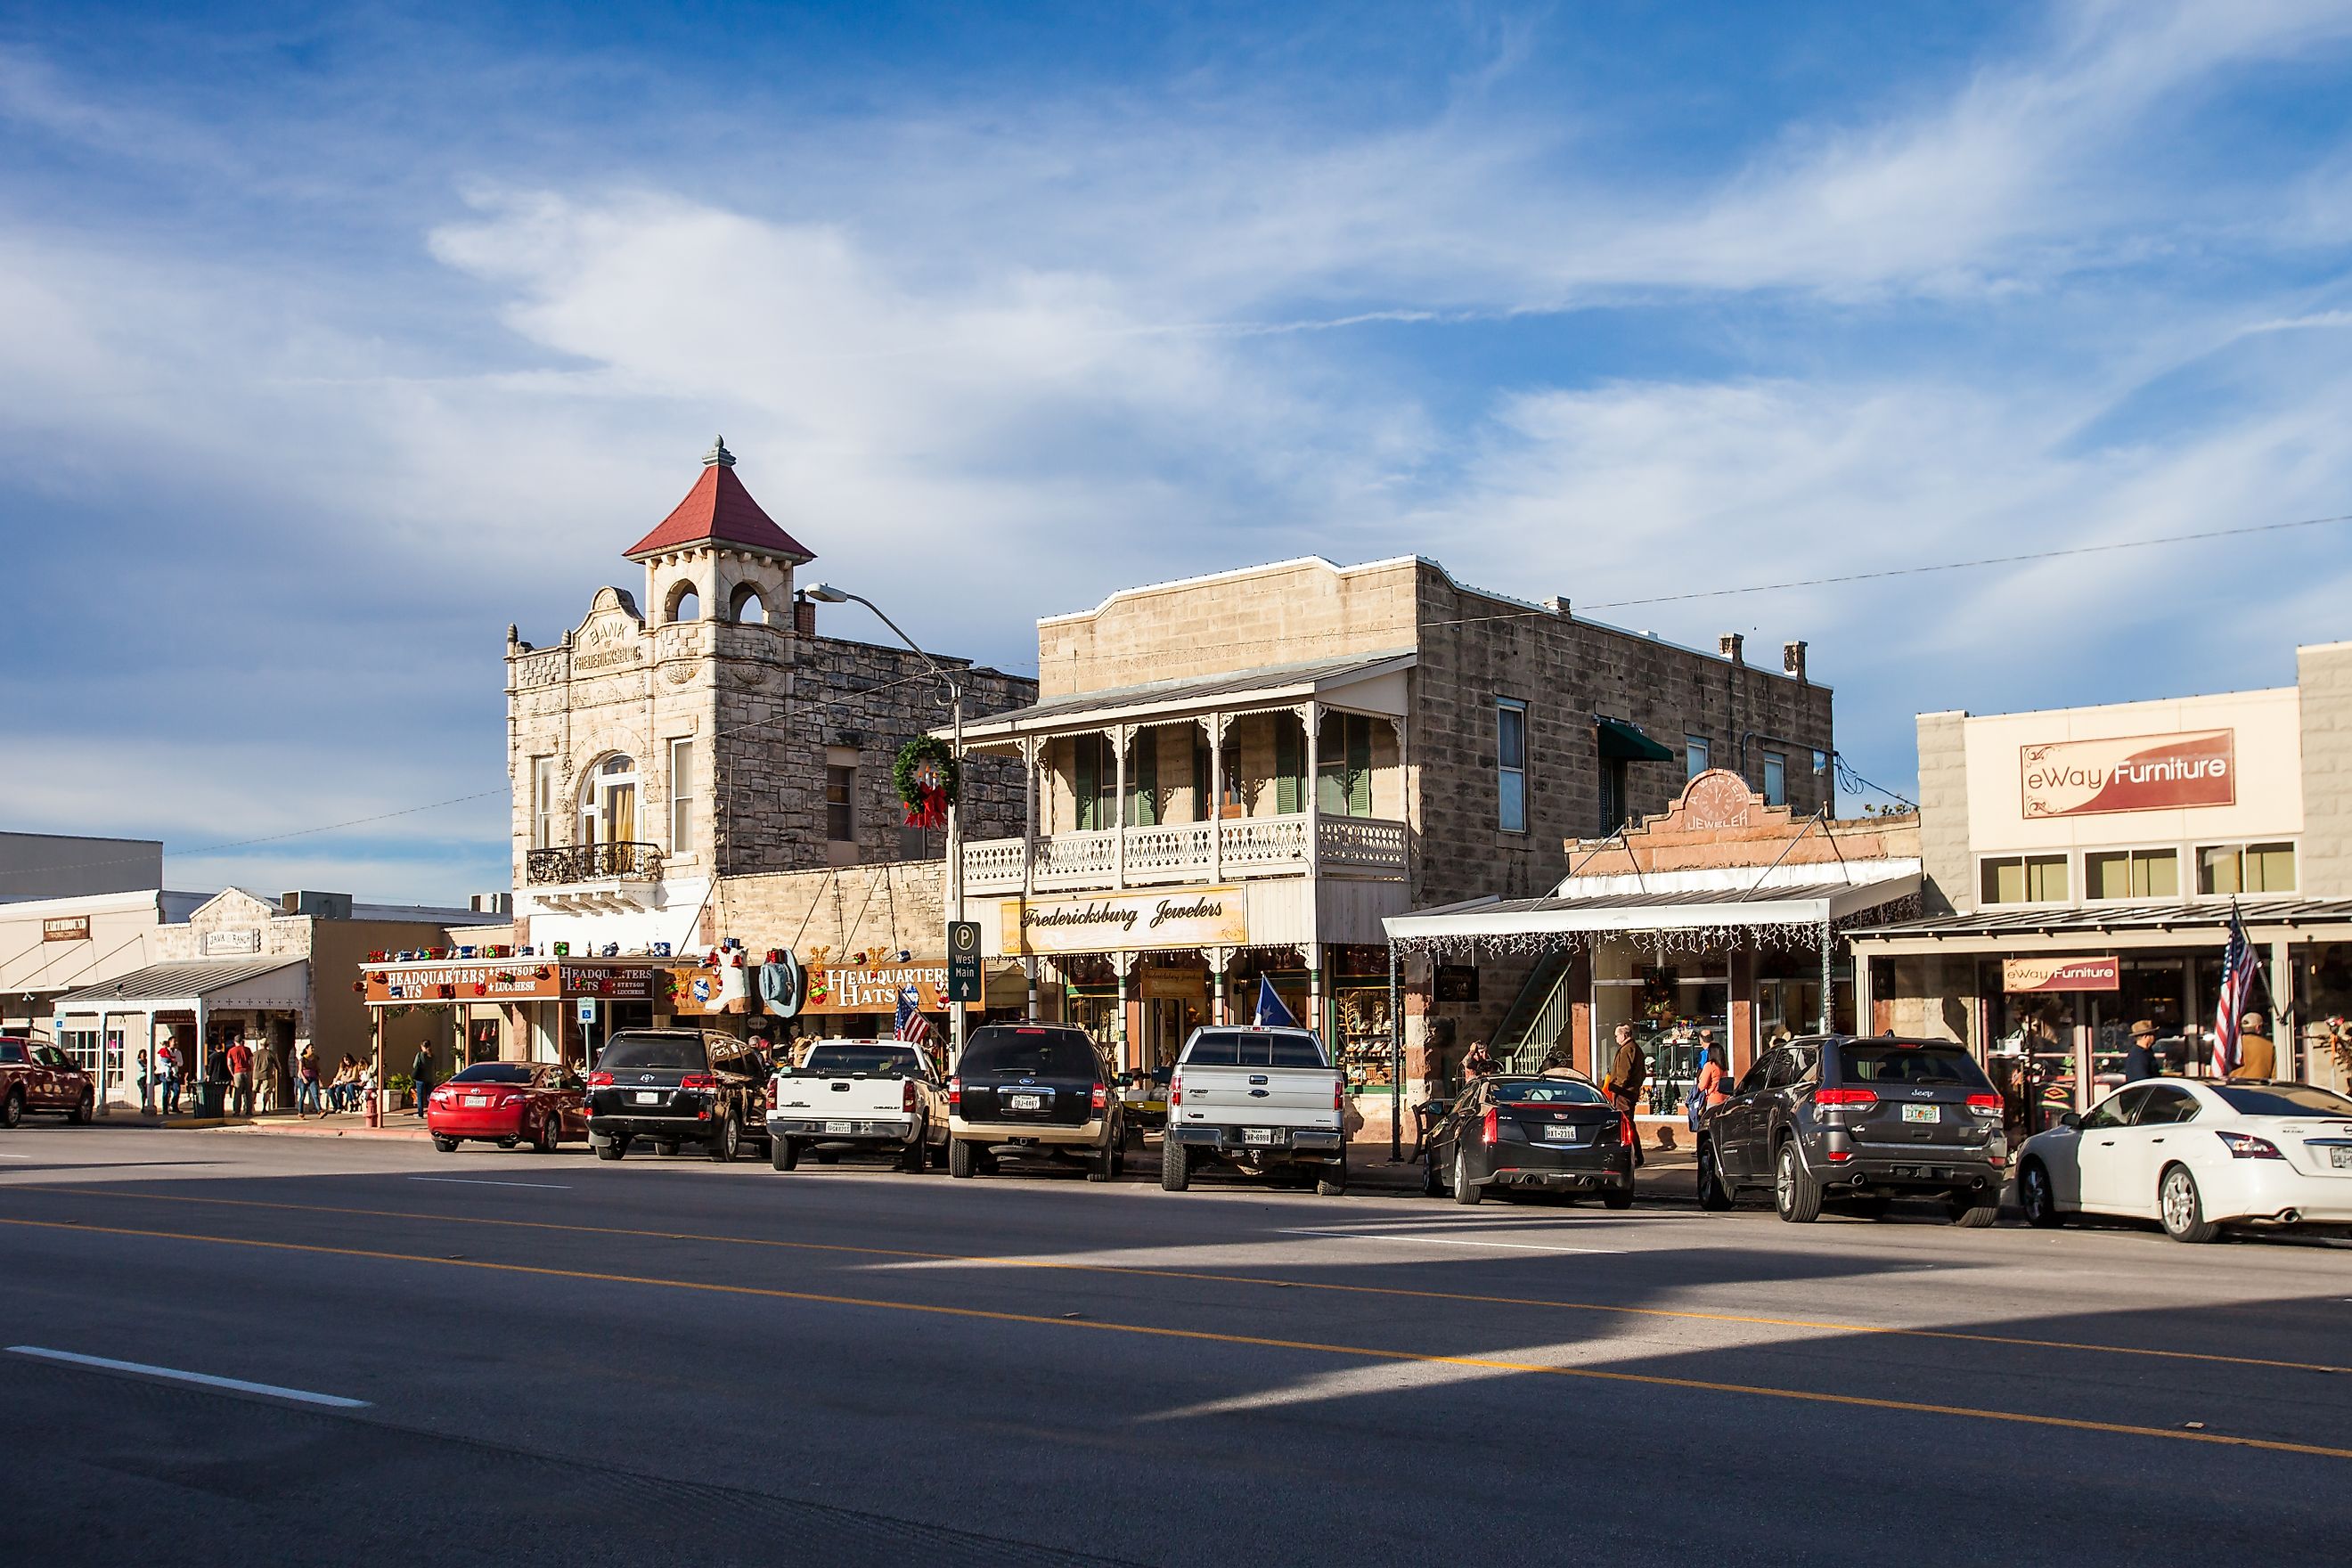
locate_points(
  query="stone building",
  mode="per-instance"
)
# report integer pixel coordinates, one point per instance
(1236, 778)
(712, 734)
(2082, 866)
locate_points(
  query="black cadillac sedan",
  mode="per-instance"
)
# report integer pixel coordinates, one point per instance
(1555, 1132)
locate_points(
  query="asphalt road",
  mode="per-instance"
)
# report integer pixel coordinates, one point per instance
(670, 1361)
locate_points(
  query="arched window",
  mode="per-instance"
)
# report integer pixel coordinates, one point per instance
(747, 608)
(685, 604)
(608, 802)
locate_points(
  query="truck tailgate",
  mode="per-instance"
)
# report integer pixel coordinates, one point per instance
(1259, 1097)
(840, 1099)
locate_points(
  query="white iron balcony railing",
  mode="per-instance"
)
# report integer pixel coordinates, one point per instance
(1191, 852)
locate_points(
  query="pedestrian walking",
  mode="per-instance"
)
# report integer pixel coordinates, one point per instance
(265, 1075)
(146, 1085)
(2257, 1057)
(1708, 1089)
(240, 1078)
(2139, 1052)
(307, 1092)
(1627, 1072)
(420, 1074)
(167, 1068)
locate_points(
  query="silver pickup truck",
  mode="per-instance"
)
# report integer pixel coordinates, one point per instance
(878, 1097)
(1267, 1101)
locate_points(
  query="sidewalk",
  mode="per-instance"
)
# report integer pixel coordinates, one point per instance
(341, 1124)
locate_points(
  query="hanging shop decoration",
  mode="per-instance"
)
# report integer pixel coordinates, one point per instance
(928, 779)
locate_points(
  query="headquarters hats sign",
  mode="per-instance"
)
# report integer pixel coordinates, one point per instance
(2137, 773)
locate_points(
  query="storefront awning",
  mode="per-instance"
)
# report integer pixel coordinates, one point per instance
(1795, 906)
(1367, 683)
(1626, 742)
(2123, 925)
(215, 982)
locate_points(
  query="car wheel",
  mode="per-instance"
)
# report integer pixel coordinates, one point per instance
(913, 1157)
(11, 1110)
(2038, 1197)
(1103, 1163)
(446, 1145)
(1175, 1165)
(1971, 1214)
(1431, 1187)
(729, 1141)
(2183, 1207)
(1465, 1191)
(1333, 1182)
(959, 1158)
(1794, 1193)
(82, 1113)
(613, 1150)
(1619, 1198)
(1713, 1192)
(547, 1134)
(784, 1153)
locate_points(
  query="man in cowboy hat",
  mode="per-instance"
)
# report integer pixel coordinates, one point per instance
(2139, 1055)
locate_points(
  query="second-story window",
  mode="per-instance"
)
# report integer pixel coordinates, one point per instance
(1343, 766)
(1776, 779)
(543, 802)
(1695, 754)
(681, 797)
(840, 803)
(1511, 764)
(1094, 778)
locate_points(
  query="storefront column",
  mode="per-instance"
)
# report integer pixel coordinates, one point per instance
(1311, 715)
(2282, 1018)
(1125, 963)
(1031, 756)
(1579, 981)
(1828, 1000)
(1215, 804)
(1739, 1035)
(1315, 1009)
(1118, 734)
(1863, 997)
(1219, 981)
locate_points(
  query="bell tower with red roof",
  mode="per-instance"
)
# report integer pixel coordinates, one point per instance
(717, 555)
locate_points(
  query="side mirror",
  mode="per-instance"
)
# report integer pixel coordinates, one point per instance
(2071, 1119)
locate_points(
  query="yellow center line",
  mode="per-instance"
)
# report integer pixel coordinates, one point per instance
(1265, 1281)
(1367, 1352)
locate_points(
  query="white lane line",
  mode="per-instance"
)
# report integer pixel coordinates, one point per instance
(478, 1181)
(304, 1395)
(15, 1156)
(1403, 1239)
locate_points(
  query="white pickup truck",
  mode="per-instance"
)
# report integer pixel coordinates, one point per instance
(1261, 1100)
(858, 1096)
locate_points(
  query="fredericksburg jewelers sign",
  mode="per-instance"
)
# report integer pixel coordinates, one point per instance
(2138, 773)
(1184, 917)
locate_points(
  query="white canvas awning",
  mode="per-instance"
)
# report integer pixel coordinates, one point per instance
(215, 982)
(1789, 906)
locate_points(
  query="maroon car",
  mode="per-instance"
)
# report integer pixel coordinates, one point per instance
(36, 1076)
(507, 1103)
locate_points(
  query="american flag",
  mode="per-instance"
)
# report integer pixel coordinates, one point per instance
(913, 1027)
(2239, 970)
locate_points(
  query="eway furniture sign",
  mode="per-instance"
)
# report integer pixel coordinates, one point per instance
(2136, 773)
(2028, 974)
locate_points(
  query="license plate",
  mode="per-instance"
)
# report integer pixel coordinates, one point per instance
(474, 1100)
(1257, 1134)
(1919, 1113)
(2341, 1159)
(648, 1097)
(1559, 1135)
(1028, 1102)
(841, 1127)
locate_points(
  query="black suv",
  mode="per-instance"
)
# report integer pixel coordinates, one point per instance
(1859, 1120)
(677, 1086)
(1035, 1091)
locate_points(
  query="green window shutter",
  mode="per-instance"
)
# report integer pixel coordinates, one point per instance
(1143, 779)
(1089, 757)
(1289, 735)
(1359, 767)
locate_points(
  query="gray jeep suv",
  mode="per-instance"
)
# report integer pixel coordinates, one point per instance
(1858, 1121)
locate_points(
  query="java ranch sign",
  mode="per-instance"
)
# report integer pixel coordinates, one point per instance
(2138, 773)
(1187, 917)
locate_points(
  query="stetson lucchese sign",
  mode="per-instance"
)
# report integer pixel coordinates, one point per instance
(1185, 916)
(2135, 772)
(2061, 975)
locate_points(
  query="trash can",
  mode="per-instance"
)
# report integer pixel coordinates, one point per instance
(211, 1099)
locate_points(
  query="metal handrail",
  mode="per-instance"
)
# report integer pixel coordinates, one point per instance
(587, 862)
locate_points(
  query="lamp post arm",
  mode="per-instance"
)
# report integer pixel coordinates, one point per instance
(953, 685)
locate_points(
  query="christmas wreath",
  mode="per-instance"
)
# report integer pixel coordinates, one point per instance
(927, 779)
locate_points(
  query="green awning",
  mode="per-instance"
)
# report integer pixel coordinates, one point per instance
(1619, 739)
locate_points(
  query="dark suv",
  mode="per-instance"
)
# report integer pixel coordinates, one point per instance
(1035, 1091)
(677, 1086)
(1860, 1120)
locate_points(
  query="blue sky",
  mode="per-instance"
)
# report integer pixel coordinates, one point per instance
(334, 339)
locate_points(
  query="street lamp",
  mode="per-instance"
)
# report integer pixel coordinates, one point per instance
(825, 592)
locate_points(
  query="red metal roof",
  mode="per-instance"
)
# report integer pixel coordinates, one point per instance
(719, 509)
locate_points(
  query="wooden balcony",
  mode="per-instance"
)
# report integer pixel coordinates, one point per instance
(1237, 847)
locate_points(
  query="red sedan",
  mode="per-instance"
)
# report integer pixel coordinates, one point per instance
(507, 1103)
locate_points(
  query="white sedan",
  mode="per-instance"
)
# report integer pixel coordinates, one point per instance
(2195, 1156)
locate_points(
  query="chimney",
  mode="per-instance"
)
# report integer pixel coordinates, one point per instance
(1558, 606)
(1793, 659)
(803, 615)
(1732, 644)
